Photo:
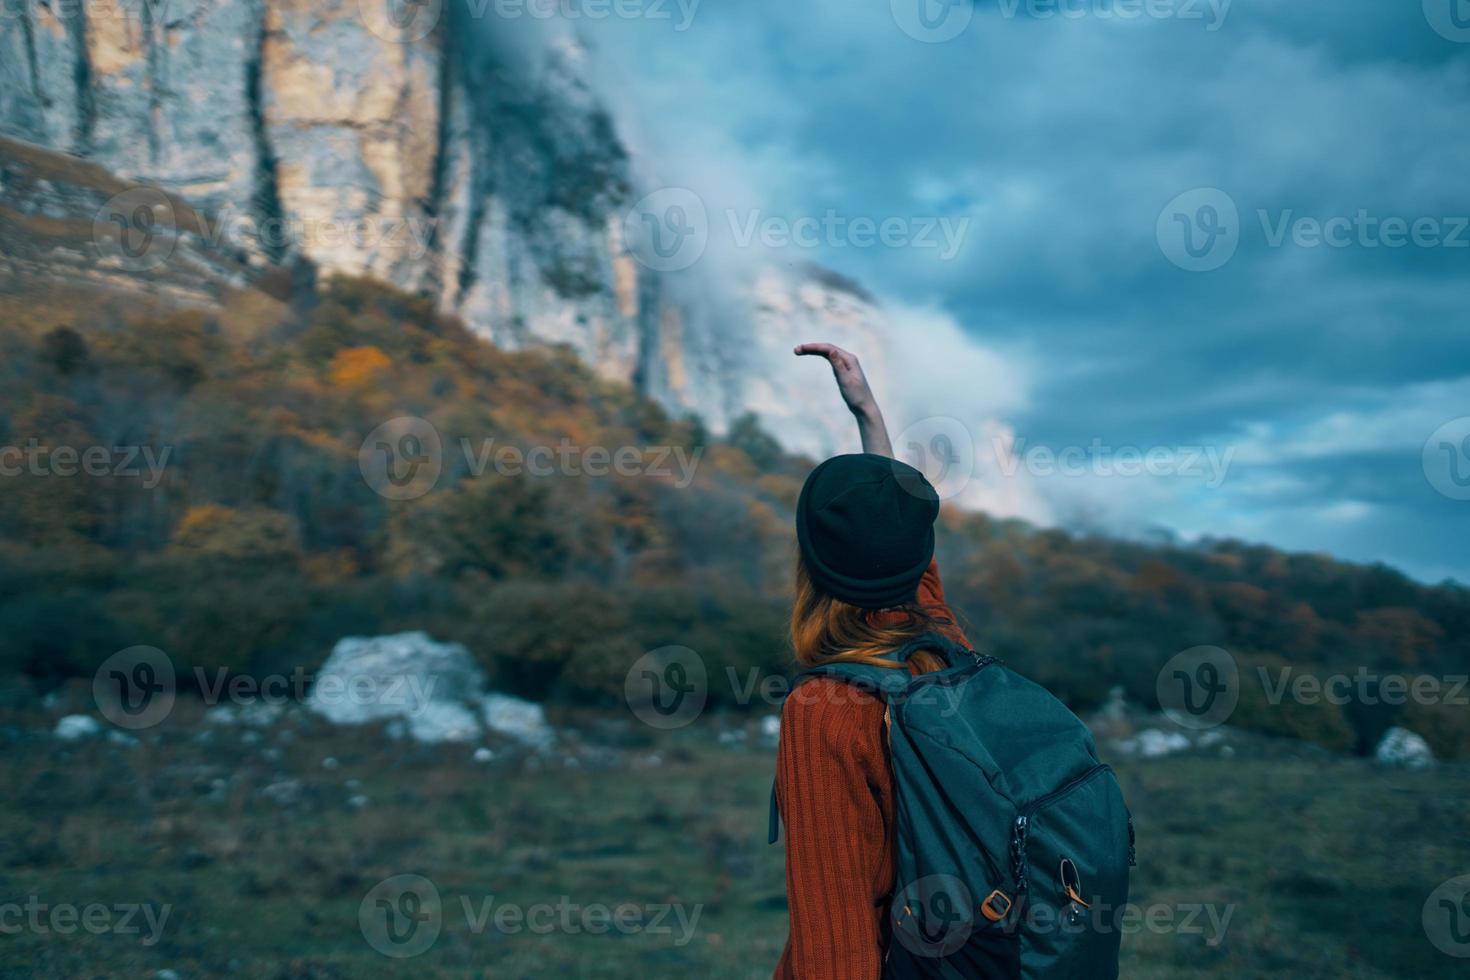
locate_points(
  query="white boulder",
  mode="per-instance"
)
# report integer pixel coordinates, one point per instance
(1402, 749)
(443, 721)
(74, 728)
(429, 686)
(524, 721)
(431, 692)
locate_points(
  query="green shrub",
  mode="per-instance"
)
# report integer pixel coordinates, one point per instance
(53, 636)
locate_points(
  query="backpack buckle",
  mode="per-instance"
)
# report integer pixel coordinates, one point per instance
(997, 906)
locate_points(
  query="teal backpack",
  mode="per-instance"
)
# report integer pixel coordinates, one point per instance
(1012, 841)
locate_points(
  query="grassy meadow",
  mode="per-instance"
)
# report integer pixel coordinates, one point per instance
(262, 543)
(262, 844)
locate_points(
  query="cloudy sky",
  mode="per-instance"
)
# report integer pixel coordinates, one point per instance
(1189, 226)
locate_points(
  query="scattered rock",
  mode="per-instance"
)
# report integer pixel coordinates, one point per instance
(357, 801)
(284, 793)
(444, 722)
(483, 754)
(1402, 749)
(1115, 708)
(600, 758)
(121, 738)
(771, 729)
(1152, 743)
(1113, 720)
(524, 721)
(253, 714)
(73, 728)
(330, 763)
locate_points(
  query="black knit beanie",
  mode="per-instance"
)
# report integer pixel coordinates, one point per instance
(865, 526)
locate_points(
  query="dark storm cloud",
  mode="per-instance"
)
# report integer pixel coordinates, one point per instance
(1330, 345)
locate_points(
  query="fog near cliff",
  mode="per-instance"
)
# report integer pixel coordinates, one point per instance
(946, 390)
(1063, 134)
(939, 384)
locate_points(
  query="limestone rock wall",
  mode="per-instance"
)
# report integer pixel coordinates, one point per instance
(415, 152)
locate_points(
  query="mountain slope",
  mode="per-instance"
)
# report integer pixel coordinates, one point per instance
(446, 163)
(244, 520)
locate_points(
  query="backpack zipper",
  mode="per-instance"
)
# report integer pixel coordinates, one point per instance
(957, 673)
(1023, 823)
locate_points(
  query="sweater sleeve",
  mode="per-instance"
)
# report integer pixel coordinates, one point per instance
(833, 788)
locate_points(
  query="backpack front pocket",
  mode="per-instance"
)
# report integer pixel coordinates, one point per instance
(1072, 878)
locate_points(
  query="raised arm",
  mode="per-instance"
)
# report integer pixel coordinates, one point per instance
(853, 386)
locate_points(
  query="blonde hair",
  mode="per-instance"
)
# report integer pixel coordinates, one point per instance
(825, 629)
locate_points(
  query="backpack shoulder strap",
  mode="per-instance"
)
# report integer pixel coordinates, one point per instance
(889, 681)
(884, 682)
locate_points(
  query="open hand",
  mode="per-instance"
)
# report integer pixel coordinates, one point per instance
(853, 385)
(851, 382)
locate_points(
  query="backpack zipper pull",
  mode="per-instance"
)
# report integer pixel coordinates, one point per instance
(1018, 851)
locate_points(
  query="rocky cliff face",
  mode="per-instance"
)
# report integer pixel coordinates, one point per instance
(399, 140)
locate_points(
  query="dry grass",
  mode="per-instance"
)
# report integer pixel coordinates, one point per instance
(1323, 867)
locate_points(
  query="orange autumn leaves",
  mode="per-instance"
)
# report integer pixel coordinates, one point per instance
(354, 368)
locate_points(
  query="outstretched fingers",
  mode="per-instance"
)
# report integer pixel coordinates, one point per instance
(833, 353)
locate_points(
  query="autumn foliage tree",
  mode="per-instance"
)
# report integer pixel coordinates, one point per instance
(253, 542)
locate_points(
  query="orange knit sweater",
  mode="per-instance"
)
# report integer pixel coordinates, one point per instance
(835, 791)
